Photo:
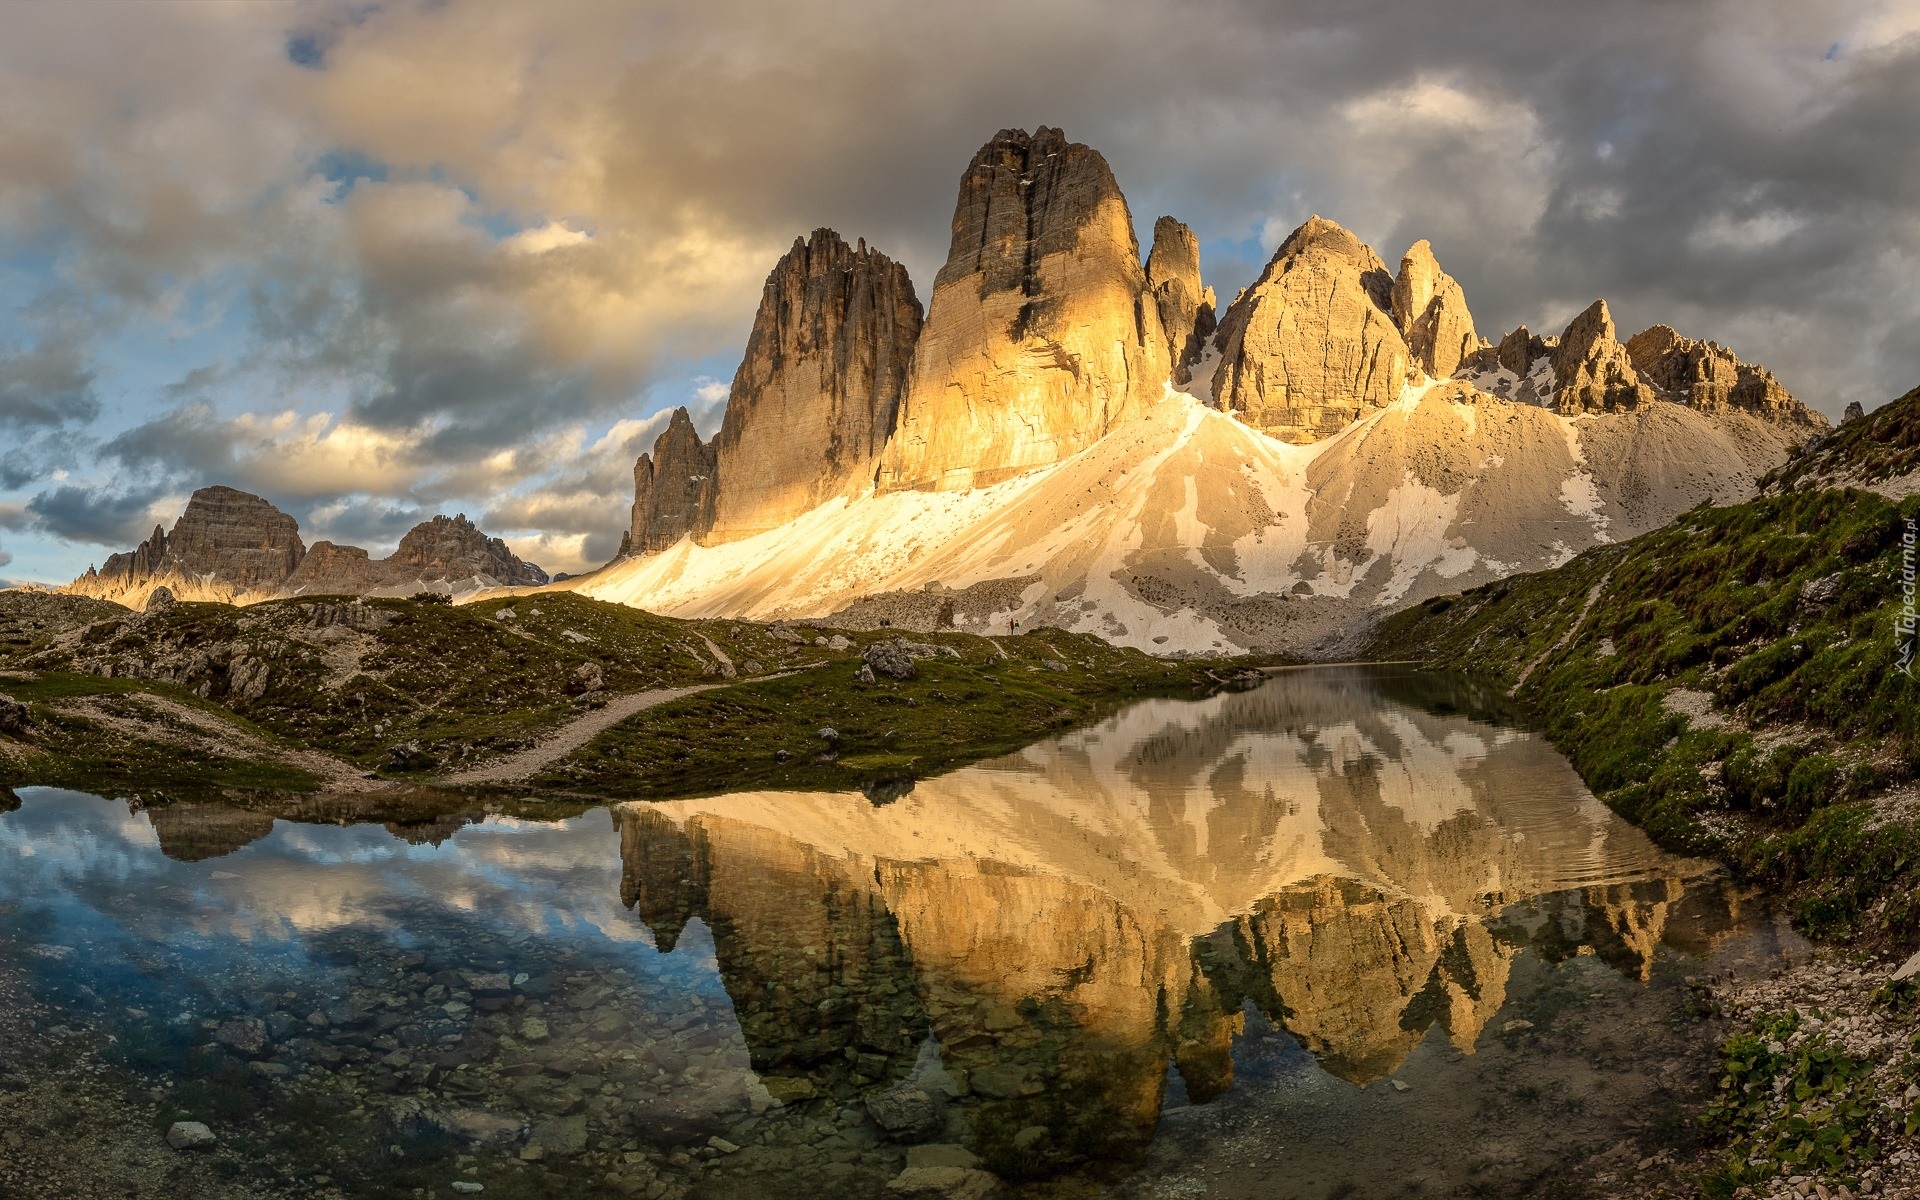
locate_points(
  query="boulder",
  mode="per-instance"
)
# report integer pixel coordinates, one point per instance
(906, 1112)
(243, 1035)
(818, 391)
(14, 716)
(561, 1137)
(1040, 334)
(190, 1135)
(1312, 345)
(889, 659)
(945, 1183)
(160, 599)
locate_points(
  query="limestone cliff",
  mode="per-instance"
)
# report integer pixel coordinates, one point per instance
(1312, 345)
(817, 393)
(1709, 377)
(1431, 311)
(673, 488)
(226, 545)
(1591, 370)
(1184, 303)
(1041, 334)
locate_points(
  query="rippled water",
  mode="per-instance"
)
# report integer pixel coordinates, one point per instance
(1347, 931)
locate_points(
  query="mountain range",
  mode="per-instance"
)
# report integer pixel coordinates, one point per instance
(1069, 434)
(236, 548)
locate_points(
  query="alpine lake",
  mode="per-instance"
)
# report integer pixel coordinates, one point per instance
(1354, 932)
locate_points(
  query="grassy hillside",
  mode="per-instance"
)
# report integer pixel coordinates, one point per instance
(325, 692)
(1731, 683)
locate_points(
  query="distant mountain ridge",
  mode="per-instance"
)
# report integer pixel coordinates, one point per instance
(1069, 437)
(234, 547)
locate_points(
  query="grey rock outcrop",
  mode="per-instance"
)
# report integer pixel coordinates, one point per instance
(673, 488)
(225, 537)
(1854, 412)
(1313, 344)
(1591, 369)
(819, 388)
(890, 659)
(232, 547)
(1709, 377)
(442, 551)
(1184, 303)
(1040, 333)
(1431, 311)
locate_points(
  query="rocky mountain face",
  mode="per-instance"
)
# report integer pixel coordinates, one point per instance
(232, 547)
(815, 398)
(673, 488)
(1041, 334)
(1587, 369)
(1312, 345)
(1709, 377)
(1431, 311)
(440, 551)
(1186, 305)
(1350, 445)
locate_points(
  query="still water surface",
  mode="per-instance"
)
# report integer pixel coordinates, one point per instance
(1349, 933)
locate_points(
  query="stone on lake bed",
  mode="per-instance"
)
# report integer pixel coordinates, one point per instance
(246, 1035)
(1516, 1026)
(562, 1137)
(487, 983)
(468, 1186)
(945, 1183)
(787, 1089)
(190, 1135)
(942, 1154)
(906, 1112)
(1400, 1087)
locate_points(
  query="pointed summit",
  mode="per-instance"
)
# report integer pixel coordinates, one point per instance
(817, 394)
(1591, 370)
(1431, 311)
(672, 488)
(1040, 335)
(1184, 303)
(1313, 344)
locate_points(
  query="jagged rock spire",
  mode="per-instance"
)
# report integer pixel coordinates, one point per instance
(818, 391)
(1184, 303)
(1431, 311)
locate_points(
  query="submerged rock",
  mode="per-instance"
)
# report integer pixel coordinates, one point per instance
(190, 1135)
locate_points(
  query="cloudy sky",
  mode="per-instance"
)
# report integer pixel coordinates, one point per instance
(377, 260)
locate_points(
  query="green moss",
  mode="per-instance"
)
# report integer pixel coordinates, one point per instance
(1780, 612)
(997, 696)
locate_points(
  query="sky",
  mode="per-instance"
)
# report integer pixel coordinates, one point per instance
(381, 260)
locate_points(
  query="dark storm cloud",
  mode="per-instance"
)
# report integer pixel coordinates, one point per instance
(96, 516)
(475, 226)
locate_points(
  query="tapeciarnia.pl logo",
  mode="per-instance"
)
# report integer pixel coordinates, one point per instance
(1904, 622)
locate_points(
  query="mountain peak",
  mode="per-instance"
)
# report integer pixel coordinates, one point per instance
(1313, 344)
(1040, 335)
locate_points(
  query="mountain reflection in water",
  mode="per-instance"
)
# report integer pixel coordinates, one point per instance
(1066, 920)
(1358, 857)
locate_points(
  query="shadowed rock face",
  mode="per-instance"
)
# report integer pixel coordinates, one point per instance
(232, 547)
(1312, 345)
(443, 550)
(1040, 334)
(818, 391)
(1184, 303)
(673, 488)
